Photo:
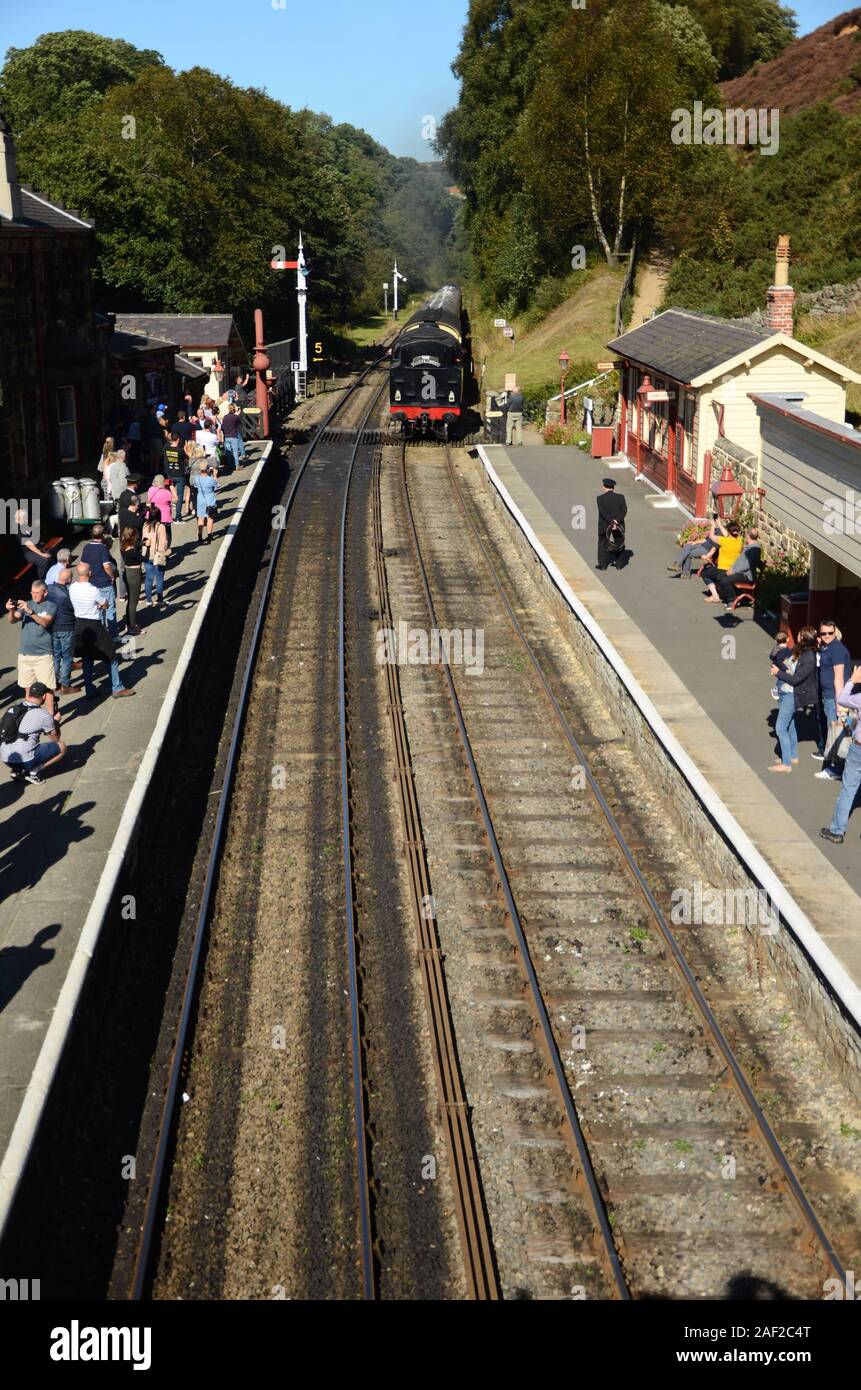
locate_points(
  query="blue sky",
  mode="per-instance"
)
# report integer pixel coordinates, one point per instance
(383, 65)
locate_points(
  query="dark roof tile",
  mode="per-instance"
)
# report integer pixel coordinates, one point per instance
(683, 345)
(188, 330)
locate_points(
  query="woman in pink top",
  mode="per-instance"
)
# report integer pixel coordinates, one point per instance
(163, 496)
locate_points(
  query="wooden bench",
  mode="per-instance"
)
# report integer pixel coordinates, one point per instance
(11, 584)
(746, 590)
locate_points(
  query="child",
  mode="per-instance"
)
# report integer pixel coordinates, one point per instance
(780, 654)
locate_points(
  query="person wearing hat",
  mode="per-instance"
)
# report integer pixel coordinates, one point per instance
(612, 510)
(26, 756)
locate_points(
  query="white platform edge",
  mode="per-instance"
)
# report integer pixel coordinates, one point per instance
(21, 1140)
(840, 981)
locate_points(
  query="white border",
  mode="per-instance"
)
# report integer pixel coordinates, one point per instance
(839, 979)
(23, 1135)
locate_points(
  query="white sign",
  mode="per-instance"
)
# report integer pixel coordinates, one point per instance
(385, 284)
(657, 396)
(508, 332)
(500, 323)
(295, 366)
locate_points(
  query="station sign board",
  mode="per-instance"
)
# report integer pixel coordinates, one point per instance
(655, 396)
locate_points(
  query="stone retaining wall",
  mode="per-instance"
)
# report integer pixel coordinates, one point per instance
(775, 534)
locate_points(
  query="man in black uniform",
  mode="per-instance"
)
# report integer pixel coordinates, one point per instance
(612, 508)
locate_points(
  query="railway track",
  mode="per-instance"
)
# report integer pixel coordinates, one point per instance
(306, 574)
(618, 1091)
(337, 1209)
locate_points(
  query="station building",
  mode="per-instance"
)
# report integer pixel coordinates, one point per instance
(52, 349)
(211, 343)
(687, 381)
(808, 472)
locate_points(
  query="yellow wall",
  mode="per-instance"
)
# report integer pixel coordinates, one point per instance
(778, 370)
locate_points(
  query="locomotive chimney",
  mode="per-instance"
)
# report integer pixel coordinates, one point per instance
(781, 296)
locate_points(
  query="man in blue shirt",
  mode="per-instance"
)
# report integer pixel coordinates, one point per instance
(96, 554)
(835, 665)
(63, 630)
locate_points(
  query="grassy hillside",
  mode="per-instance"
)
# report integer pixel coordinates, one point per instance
(839, 338)
(583, 325)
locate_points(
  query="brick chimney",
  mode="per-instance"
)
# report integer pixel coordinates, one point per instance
(781, 296)
(10, 189)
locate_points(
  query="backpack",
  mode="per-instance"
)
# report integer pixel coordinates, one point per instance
(10, 724)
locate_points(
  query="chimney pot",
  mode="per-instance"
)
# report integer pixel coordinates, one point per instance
(780, 302)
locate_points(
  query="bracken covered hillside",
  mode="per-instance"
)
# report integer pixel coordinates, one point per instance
(823, 66)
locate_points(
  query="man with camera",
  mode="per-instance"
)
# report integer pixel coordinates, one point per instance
(36, 650)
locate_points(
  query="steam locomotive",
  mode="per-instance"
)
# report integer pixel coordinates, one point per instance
(431, 371)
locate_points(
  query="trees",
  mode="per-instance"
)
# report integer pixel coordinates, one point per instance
(743, 32)
(192, 181)
(63, 72)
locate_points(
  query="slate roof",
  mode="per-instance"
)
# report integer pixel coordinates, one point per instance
(38, 212)
(684, 345)
(187, 330)
(123, 343)
(189, 369)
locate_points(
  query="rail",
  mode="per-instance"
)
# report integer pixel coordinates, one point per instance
(760, 1126)
(574, 1135)
(168, 1113)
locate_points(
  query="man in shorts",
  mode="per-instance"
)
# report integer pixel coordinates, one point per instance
(26, 756)
(36, 649)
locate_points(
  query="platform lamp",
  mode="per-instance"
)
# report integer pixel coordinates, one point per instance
(727, 494)
(642, 399)
(564, 364)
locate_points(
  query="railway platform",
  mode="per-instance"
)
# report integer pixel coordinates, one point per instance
(712, 696)
(61, 841)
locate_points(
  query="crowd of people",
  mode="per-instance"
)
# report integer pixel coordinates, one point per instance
(816, 687)
(164, 474)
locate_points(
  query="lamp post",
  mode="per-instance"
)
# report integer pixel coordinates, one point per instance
(261, 365)
(641, 400)
(386, 291)
(727, 494)
(564, 364)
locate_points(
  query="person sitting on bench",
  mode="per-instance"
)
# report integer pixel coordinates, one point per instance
(744, 570)
(697, 550)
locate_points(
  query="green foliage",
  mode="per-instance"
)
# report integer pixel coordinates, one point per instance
(560, 137)
(743, 32)
(566, 434)
(61, 73)
(726, 222)
(188, 211)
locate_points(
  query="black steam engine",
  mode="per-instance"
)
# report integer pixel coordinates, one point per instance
(431, 373)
